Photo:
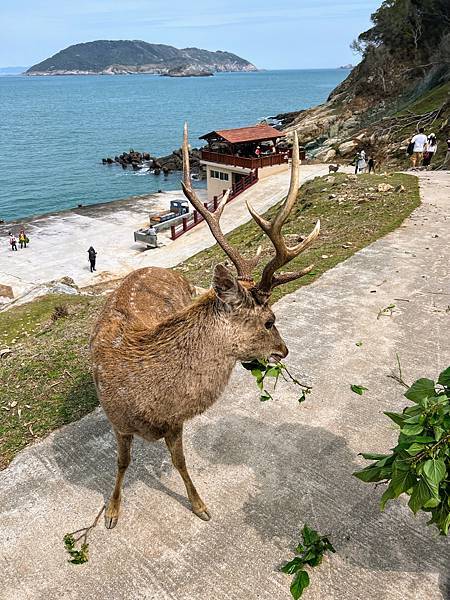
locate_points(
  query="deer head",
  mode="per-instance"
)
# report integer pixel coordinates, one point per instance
(244, 303)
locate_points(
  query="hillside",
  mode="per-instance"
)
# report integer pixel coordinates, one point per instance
(124, 56)
(404, 72)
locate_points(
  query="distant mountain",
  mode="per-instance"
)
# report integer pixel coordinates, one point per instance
(123, 56)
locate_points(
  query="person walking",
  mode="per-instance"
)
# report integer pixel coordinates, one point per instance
(430, 150)
(13, 242)
(22, 239)
(371, 164)
(92, 254)
(418, 143)
(446, 163)
(361, 164)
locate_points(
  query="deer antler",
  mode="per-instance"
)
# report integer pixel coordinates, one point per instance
(284, 253)
(244, 266)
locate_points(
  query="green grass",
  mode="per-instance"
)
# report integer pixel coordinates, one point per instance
(46, 382)
(352, 220)
(429, 101)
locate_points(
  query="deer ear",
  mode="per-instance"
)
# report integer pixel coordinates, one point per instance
(227, 287)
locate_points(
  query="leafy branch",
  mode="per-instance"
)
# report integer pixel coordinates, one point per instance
(311, 553)
(264, 369)
(419, 465)
(80, 555)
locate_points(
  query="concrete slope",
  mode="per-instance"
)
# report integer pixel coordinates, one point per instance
(263, 469)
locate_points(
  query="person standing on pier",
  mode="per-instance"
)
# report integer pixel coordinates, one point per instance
(92, 258)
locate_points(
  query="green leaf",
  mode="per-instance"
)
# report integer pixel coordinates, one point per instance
(358, 389)
(444, 378)
(369, 456)
(398, 418)
(292, 566)
(412, 429)
(370, 473)
(420, 389)
(414, 449)
(389, 494)
(402, 481)
(300, 583)
(309, 535)
(421, 494)
(434, 470)
(359, 344)
(265, 396)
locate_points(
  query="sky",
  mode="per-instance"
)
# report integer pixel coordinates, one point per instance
(272, 34)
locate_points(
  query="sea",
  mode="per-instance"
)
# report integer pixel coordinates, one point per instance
(54, 131)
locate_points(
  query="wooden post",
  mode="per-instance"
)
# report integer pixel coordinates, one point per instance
(184, 224)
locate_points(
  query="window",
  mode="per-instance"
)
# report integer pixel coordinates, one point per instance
(219, 175)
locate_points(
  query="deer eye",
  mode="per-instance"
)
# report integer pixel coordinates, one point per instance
(269, 324)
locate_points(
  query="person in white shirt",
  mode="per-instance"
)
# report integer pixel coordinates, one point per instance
(419, 141)
(430, 150)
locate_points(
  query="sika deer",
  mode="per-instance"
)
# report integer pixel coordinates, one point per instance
(159, 357)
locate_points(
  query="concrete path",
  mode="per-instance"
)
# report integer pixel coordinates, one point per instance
(59, 242)
(263, 469)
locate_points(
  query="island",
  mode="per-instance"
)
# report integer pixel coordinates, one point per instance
(187, 71)
(119, 57)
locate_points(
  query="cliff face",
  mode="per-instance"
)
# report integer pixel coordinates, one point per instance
(405, 57)
(122, 57)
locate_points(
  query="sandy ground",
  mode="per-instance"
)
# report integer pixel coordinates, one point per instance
(263, 469)
(59, 242)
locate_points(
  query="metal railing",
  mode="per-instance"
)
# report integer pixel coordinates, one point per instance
(194, 218)
(233, 160)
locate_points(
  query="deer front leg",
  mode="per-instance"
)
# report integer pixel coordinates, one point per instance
(174, 441)
(123, 460)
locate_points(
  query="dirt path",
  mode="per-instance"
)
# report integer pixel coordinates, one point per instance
(264, 469)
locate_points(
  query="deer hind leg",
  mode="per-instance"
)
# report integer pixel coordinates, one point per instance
(123, 460)
(174, 441)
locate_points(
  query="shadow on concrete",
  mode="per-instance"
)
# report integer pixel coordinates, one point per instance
(303, 475)
(93, 444)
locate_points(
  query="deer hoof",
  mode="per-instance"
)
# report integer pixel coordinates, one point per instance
(202, 514)
(111, 522)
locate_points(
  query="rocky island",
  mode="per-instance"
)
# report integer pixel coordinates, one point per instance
(187, 71)
(118, 57)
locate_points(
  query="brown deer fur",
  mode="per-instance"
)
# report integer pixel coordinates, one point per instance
(160, 357)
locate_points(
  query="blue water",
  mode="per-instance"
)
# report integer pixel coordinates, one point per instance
(54, 131)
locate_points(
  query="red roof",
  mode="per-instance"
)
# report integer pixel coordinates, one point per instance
(256, 133)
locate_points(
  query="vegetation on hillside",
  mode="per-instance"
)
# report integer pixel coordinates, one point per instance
(46, 380)
(408, 43)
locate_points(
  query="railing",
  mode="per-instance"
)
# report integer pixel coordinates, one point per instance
(233, 160)
(194, 218)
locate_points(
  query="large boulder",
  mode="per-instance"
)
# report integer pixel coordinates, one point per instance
(6, 291)
(347, 147)
(326, 154)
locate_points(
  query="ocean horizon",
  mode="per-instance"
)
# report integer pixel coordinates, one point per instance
(55, 130)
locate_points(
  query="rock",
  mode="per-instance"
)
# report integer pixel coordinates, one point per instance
(56, 287)
(331, 142)
(385, 187)
(325, 154)
(4, 352)
(347, 147)
(400, 189)
(329, 179)
(68, 281)
(6, 291)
